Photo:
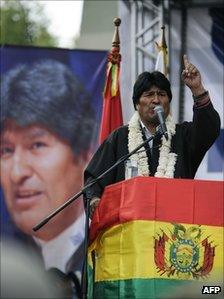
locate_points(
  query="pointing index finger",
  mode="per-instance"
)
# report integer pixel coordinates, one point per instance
(186, 62)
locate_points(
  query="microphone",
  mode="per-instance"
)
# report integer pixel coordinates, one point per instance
(161, 117)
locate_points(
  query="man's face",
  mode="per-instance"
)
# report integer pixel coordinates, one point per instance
(38, 174)
(147, 102)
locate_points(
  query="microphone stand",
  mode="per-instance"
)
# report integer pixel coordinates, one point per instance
(86, 193)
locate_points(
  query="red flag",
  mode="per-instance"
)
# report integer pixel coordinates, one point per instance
(112, 110)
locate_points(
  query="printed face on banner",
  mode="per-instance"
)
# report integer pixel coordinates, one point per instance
(147, 102)
(39, 173)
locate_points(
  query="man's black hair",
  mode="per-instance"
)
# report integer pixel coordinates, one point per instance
(146, 81)
(47, 93)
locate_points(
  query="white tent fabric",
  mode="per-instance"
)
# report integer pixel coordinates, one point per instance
(200, 53)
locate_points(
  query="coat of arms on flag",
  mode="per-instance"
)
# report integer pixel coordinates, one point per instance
(184, 253)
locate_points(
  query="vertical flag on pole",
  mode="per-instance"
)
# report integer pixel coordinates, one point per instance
(112, 111)
(162, 58)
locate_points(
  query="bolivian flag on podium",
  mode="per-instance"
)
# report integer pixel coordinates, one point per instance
(152, 237)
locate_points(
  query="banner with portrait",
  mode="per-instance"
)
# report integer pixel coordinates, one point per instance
(51, 112)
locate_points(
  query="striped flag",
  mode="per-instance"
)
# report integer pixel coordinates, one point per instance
(150, 238)
(112, 110)
(162, 58)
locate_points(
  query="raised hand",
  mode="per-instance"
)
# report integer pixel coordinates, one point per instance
(192, 77)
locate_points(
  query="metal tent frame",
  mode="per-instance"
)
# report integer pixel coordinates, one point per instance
(147, 17)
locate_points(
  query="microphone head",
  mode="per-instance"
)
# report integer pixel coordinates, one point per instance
(158, 109)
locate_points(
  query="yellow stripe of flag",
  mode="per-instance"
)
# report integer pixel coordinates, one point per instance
(135, 250)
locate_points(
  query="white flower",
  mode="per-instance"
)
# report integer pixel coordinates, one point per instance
(167, 160)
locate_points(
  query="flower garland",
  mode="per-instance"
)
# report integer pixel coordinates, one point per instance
(167, 160)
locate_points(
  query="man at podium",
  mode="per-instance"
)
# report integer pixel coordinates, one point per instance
(177, 156)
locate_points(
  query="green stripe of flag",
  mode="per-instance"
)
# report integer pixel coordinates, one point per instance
(144, 289)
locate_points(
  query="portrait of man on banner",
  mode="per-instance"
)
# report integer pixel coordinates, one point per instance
(47, 137)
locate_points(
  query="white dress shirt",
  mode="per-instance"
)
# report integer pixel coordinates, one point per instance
(57, 252)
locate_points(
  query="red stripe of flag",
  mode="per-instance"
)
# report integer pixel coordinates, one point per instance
(160, 199)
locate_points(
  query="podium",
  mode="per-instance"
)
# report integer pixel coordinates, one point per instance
(155, 237)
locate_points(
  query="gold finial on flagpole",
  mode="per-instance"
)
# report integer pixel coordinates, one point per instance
(162, 44)
(116, 38)
(114, 56)
(163, 39)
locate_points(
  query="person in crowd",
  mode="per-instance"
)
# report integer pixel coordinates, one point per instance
(22, 276)
(46, 130)
(177, 157)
